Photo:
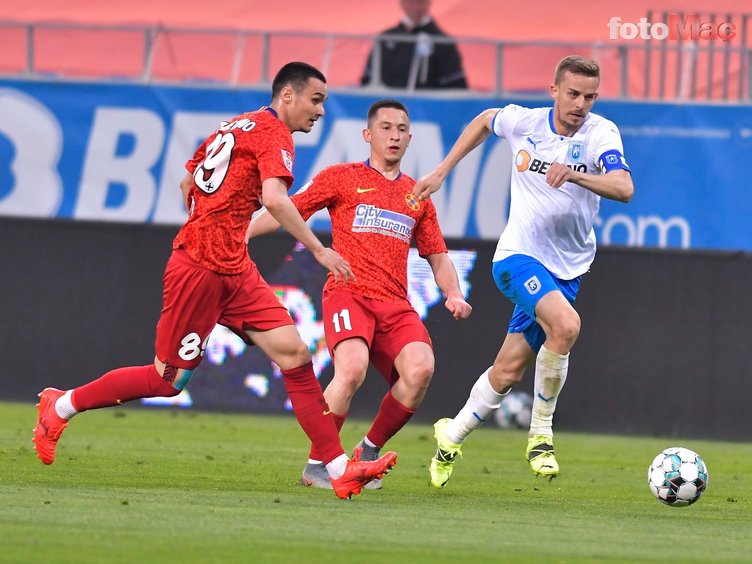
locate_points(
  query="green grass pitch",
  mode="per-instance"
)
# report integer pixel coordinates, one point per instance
(134, 485)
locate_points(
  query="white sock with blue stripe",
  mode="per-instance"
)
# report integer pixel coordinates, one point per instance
(481, 404)
(550, 375)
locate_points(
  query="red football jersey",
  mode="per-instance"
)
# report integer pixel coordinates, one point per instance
(374, 219)
(228, 170)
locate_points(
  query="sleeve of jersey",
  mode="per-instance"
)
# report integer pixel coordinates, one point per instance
(505, 120)
(428, 237)
(315, 195)
(198, 157)
(609, 150)
(275, 154)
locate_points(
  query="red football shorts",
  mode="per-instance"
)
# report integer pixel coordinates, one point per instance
(195, 299)
(385, 326)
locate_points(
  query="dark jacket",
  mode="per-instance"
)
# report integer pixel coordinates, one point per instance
(444, 63)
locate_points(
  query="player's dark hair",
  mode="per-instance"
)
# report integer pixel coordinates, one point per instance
(577, 65)
(386, 103)
(295, 75)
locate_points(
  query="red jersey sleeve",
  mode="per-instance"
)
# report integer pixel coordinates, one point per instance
(275, 154)
(428, 236)
(319, 193)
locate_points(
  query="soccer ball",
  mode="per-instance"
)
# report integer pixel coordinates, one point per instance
(515, 410)
(678, 476)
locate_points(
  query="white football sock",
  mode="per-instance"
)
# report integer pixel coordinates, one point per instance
(368, 442)
(337, 466)
(550, 375)
(64, 406)
(483, 401)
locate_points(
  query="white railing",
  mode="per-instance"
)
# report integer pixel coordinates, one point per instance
(665, 70)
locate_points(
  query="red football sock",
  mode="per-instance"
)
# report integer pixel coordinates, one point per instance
(339, 422)
(312, 412)
(392, 416)
(121, 385)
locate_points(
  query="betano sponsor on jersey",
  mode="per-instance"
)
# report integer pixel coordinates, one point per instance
(524, 161)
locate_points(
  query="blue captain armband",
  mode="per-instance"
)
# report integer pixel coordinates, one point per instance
(612, 160)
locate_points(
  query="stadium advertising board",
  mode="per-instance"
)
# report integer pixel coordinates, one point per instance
(116, 153)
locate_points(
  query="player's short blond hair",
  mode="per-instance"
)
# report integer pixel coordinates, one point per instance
(577, 65)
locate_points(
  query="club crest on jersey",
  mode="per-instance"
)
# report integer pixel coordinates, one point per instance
(412, 202)
(575, 151)
(287, 158)
(533, 285)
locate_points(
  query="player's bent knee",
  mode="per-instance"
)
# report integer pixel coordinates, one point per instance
(570, 330)
(351, 369)
(348, 383)
(419, 374)
(566, 329)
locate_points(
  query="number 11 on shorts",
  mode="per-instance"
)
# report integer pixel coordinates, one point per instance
(344, 315)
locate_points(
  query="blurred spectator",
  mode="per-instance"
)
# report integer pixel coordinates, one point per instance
(422, 63)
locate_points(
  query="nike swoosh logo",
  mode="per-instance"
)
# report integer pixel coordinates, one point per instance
(364, 190)
(541, 396)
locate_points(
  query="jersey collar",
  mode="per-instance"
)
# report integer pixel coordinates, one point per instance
(367, 162)
(553, 129)
(551, 121)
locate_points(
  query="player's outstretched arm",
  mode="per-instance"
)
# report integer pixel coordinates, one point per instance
(279, 205)
(473, 135)
(261, 224)
(446, 279)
